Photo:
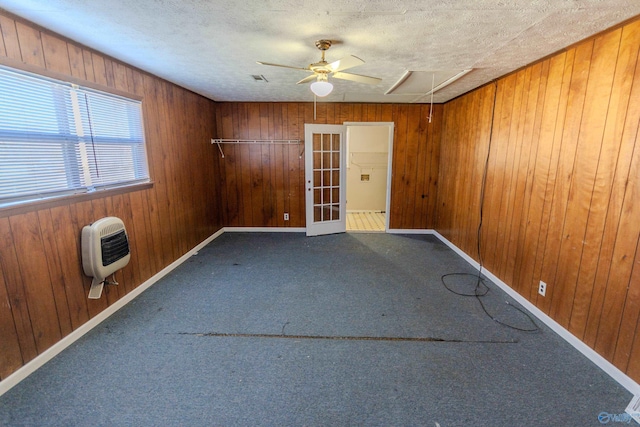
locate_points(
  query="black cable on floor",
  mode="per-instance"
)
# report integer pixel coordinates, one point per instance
(481, 289)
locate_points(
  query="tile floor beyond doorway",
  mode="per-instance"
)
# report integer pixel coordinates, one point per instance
(365, 221)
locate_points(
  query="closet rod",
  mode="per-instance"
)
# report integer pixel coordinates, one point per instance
(253, 141)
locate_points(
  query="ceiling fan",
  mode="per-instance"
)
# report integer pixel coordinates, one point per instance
(322, 70)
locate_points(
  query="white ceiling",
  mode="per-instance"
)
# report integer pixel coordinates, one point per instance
(210, 46)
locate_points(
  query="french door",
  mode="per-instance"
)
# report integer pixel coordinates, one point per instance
(325, 165)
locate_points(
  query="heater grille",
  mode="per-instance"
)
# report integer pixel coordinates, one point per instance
(114, 247)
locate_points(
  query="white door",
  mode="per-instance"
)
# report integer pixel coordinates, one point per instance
(326, 199)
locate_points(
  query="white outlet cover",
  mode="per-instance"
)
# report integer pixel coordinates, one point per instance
(542, 288)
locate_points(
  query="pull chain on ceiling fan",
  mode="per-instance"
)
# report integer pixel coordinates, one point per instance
(322, 70)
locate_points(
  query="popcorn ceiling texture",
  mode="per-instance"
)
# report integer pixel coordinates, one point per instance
(211, 46)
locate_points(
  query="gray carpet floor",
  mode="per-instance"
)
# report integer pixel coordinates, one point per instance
(272, 329)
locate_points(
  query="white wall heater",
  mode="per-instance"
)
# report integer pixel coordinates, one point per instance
(105, 249)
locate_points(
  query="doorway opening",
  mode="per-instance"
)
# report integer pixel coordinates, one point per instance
(369, 148)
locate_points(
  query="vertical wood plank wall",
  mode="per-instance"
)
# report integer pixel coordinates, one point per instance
(262, 182)
(43, 292)
(561, 202)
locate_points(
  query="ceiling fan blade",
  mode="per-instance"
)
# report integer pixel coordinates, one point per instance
(283, 66)
(307, 79)
(357, 78)
(344, 63)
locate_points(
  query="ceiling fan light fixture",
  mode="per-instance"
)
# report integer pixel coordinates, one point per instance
(321, 88)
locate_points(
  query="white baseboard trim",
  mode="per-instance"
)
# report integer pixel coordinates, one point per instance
(610, 369)
(409, 231)
(265, 230)
(34, 364)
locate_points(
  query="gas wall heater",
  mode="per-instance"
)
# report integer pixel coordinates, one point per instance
(105, 249)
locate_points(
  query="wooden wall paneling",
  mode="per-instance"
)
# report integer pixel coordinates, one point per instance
(277, 167)
(531, 133)
(257, 201)
(565, 170)
(120, 77)
(237, 170)
(558, 89)
(55, 270)
(399, 159)
(508, 197)
(610, 182)
(87, 59)
(321, 114)
(172, 215)
(246, 165)
(495, 170)
(99, 69)
(76, 61)
(142, 212)
(516, 174)
(622, 263)
(580, 200)
(421, 191)
(270, 213)
(295, 202)
(10, 38)
(343, 113)
(386, 113)
(162, 156)
(16, 293)
(67, 238)
(629, 319)
(180, 188)
(411, 166)
(268, 162)
(549, 93)
(10, 356)
(138, 82)
(30, 45)
(633, 368)
(56, 55)
(431, 188)
(481, 119)
(109, 72)
(219, 161)
(39, 295)
(443, 219)
(3, 50)
(461, 185)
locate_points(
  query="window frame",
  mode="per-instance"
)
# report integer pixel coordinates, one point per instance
(108, 191)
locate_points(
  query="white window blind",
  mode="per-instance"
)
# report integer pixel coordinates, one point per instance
(57, 139)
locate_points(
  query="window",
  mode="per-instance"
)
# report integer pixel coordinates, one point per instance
(57, 139)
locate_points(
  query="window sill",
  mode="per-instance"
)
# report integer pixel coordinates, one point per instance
(68, 200)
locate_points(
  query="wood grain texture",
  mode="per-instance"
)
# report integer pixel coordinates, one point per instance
(43, 291)
(262, 183)
(561, 195)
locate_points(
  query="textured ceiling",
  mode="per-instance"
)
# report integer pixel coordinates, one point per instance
(211, 46)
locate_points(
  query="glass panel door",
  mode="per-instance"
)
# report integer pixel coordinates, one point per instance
(324, 171)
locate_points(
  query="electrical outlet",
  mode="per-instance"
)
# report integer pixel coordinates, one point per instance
(542, 289)
(286, 217)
